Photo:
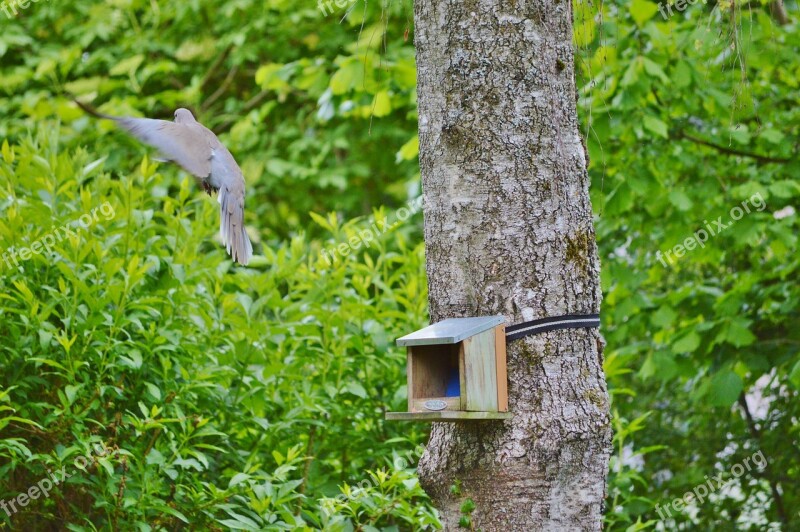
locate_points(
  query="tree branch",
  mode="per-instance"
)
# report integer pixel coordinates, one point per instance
(221, 89)
(773, 485)
(248, 106)
(732, 151)
(217, 63)
(778, 12)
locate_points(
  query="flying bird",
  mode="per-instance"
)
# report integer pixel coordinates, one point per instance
(198, 151)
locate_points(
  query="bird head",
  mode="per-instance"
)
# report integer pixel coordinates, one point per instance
(184, 116)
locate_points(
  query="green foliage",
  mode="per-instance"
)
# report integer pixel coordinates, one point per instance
(467, 507)
(313, 107)
(389, 500)
(228, 395)
(691, 118)
(253, 398)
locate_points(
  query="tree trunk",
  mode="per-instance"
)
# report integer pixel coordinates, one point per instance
(508, 230)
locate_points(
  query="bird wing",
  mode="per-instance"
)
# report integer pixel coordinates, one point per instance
(226, 175)
(186, 145)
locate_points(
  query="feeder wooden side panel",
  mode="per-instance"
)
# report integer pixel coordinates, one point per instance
(462, 377)
(502, 368)
(410, 378)
(480, 373)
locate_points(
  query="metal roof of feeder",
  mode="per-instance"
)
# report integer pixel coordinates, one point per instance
(450, 331)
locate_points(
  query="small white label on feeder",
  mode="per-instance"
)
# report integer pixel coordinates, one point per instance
(435, 404)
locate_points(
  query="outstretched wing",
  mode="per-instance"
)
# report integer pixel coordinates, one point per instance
(184, 144)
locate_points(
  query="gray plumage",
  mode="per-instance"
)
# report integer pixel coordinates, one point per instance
(198, 151)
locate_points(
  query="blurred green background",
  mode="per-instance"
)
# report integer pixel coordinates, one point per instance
(253, 399)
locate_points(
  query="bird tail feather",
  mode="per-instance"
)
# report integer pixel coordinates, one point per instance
(231, 226)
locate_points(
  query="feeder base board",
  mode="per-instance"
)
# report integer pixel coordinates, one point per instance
(445, 415)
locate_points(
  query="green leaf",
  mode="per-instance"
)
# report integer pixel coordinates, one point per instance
(468, 507)
(196, 49)
(171, 511)
(349, 76)
(656, 126)
(270, 76)
(680, 200)
(794, 375)
(6, 420)
(381, 104)
(49, 362)
(725, 388)
(642, 11)
(785, 189)
(686, 344)
(153, 390)
(655, 70)
(357, 389)
(660, 365)
(134, 360)
(772, 135)
(127, 66)
(631, 75)
(740, 134)
(409, 151)
(736, 332)
(239, 525)
(71, 392)
(585, 30)
(682, 75)
(329, 224)
(8, 153)
(279, 458)
(45, 337)
(237, 479)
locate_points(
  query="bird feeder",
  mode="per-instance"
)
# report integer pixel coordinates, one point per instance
(456, 371)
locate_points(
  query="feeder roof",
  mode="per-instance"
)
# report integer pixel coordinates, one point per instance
(451, 331)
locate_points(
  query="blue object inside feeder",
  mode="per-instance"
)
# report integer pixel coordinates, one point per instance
(453, 384)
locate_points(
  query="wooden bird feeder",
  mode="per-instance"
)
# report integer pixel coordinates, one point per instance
(457, 371)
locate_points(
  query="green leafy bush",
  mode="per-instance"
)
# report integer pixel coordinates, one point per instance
(227, 395)
(386, 500)
(690, 118)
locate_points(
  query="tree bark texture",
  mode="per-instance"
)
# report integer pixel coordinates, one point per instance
(508, 230)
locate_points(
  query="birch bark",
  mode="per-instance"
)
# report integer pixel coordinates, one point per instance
(508, 230)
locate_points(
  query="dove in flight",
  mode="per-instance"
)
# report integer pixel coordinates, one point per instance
(198, 151)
